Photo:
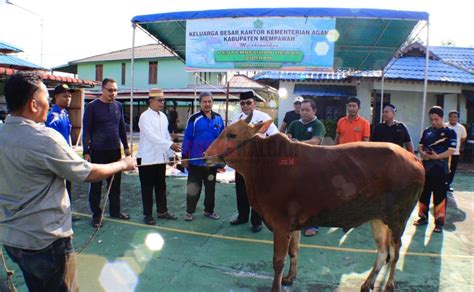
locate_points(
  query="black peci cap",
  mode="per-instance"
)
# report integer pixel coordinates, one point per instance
(247, 95)
(61, 89)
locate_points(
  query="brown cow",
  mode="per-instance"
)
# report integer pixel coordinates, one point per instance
(352, 184)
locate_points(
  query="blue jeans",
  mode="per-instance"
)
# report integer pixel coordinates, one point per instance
(52, 268)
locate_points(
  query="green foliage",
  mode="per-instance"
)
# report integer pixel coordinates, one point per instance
(330, 128)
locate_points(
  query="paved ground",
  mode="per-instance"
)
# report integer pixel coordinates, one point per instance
(212, 255)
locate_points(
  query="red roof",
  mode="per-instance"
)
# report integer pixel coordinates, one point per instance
(54, 78)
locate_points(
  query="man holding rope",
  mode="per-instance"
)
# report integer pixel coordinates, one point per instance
(154, 150)
(35, 211)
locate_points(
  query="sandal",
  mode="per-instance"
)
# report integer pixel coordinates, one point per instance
(438, 229)
(149, 220)
(420, 222)
(167, 215)
(311, 231)
(121, 216)
(214, 215)
(188, 217)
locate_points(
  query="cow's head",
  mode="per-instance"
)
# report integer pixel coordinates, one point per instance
(226, 146)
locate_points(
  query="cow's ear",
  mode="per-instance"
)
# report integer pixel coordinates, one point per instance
(262, 127)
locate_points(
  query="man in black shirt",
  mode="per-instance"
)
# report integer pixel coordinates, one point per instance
(292, 115)
(391, 130)
(437, 144)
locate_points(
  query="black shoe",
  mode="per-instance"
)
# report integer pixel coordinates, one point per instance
(96, 222)
(237, 221)
(451, 189)
(256, 228)
(121, 216)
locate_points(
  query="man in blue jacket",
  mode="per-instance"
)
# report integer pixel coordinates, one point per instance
(58, 119)
(201, 130)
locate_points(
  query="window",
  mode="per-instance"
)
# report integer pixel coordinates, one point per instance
(99, 72)
(375, 106)
(153, 73)
(124, 68)
(440, 100)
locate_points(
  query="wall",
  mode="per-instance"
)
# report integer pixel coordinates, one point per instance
(171, 73)
(285, 104)
(406, 96)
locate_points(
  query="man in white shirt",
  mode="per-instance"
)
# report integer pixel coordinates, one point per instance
(461, 135)
(154, 150)
(248, 104)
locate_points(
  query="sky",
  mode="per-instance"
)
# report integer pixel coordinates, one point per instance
(76, 29)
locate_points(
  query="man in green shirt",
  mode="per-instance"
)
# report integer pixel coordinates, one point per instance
(308, 130)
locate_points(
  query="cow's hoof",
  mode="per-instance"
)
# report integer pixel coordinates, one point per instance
(286, 281)
(365, 288)
(390, 287)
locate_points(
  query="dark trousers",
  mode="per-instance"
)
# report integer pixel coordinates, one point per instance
(438, 185)
(243, 206)
(68, 188)
(104, 157)
(153, 177)
(50, 269)
(452, 168)
(196, 176)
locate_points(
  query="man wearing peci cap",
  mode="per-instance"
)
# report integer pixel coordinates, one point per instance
(58, 119)
(248, 104)
(293, 115)
(391, 130)
(154, 150)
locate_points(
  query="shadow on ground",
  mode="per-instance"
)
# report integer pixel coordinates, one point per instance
(211, 255)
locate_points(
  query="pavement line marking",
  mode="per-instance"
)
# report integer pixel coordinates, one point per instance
(252, 240)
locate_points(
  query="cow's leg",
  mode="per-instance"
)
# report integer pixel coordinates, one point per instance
(293, 253)
(395, 243)
(380, 232)
(281, 240)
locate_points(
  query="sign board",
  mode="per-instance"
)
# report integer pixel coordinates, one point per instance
(232, 44)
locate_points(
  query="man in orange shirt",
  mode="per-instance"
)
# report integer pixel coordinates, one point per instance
(352, 128)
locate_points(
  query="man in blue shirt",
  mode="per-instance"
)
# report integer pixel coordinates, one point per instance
(437, 144)
(201, 130)
(58, 119)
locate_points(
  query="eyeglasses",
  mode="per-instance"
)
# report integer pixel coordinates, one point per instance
(297, 103)
(110, 90)
(243, 102)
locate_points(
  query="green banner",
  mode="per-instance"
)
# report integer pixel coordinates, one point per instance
(290, 56)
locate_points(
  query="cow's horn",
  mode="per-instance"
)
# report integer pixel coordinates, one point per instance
(249, 118)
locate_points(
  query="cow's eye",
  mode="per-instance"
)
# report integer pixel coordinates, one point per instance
(231, 136)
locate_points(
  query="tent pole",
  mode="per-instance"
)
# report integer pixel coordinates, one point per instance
(132, 85)
(227, 104)
(425, 83)
(195, 93)
(381, 95)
